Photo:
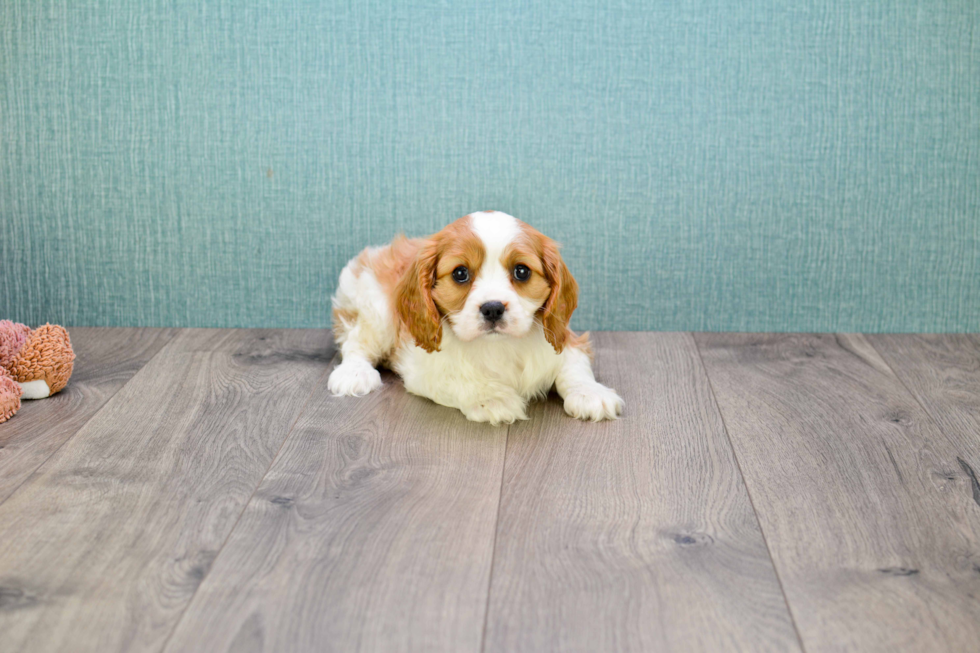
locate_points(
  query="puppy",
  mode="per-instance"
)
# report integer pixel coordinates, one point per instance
(474, 317)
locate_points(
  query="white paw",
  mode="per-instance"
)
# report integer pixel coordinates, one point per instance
(353, 379)
(593, 402)
(499, 410)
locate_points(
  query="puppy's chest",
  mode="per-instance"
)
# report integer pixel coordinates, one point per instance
(501, 365)
(466, 370)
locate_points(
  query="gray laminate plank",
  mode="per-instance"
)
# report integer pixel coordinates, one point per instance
(634, 535)
(105, 360)
(869, 518)
(373, 531)
(104, 546)
(943, 373)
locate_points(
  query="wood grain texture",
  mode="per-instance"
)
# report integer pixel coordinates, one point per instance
(634, 535)
(105, 545)
(373, 531)
(943, 373)
(869, 516)
(105, 360)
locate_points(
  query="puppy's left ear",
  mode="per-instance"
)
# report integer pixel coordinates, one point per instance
(557, 310)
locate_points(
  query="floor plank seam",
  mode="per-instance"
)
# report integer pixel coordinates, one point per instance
(748, 492)
(245, 505)
(86, 422)
(493, 546)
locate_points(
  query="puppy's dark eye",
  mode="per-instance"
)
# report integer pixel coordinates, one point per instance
(461, 274)
(522, 272)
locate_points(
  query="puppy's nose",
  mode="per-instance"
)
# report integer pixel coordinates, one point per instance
(492, 311)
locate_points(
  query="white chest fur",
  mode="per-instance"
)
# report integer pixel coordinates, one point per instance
(488, 374)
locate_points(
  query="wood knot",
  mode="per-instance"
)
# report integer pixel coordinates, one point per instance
(898, 417)
(13, 598)
(898, 571)
(692, 539)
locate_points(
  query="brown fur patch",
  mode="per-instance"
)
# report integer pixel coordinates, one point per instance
(427, 291)
(562, 297)
(527, 252)
(458, 245)
(390, 263)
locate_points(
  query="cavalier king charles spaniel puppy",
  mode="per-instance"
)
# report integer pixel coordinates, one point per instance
(474, 317)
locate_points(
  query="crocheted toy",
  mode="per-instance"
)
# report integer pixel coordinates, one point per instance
(33, 364)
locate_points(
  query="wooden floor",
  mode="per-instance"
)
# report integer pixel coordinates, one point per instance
(200, 490)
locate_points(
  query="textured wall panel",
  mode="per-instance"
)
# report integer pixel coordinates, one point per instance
(708, 165)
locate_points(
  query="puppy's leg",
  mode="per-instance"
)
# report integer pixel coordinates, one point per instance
(363, 329)
(356, 375)
(585, 398)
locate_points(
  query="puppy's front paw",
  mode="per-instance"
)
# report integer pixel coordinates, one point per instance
(499, 410)
(593, 402)
(353, 379)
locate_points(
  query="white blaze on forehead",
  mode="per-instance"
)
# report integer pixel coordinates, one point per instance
(497, 230)
(492, 282)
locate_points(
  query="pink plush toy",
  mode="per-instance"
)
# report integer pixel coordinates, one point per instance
(33, 364)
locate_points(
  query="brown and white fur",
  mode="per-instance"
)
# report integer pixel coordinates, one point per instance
(486, 345)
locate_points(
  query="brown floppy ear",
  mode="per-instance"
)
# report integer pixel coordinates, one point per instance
(557, 310)
(414, 299)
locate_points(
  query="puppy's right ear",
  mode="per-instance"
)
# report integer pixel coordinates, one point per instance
(415, 306)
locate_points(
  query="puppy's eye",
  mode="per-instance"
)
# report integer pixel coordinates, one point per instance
(522, 272)
(461, 274)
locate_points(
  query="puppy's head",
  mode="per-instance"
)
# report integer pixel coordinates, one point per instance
(487, 275)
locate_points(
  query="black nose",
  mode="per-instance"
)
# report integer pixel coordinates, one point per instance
(492, 311)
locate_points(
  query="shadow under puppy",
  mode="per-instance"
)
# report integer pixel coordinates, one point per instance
(474, 317)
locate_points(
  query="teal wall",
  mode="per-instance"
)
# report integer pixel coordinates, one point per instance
(717, 165)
